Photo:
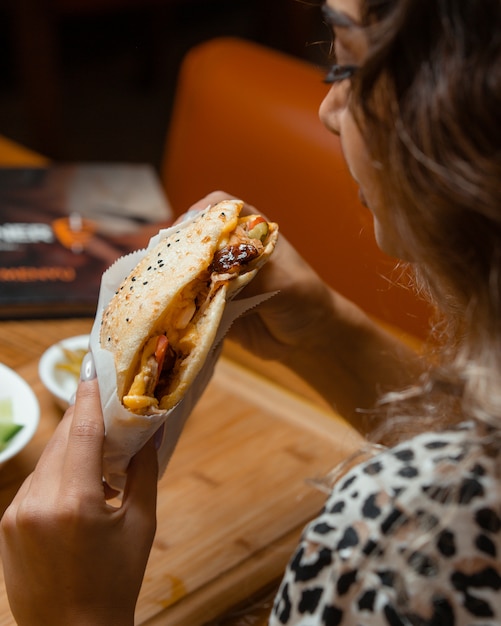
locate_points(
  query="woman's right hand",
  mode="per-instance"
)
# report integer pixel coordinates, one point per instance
(290, 319)
(326, 339)
(294, 319)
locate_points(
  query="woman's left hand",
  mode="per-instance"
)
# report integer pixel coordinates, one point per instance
(69, 556)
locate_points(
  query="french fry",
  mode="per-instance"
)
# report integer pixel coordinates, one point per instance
(73, 361)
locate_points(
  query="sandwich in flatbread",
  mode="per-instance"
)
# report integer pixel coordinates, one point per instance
(161, 323)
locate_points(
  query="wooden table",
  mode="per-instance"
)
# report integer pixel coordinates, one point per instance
(236, 493)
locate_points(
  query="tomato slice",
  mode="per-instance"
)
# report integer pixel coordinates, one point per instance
(254, 222)
(161, 350)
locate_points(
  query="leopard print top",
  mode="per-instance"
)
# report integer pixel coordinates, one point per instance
(411, 537)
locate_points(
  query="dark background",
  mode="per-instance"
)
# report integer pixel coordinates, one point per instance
(109, 75)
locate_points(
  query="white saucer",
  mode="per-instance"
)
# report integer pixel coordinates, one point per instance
(61, 383)
(25, 409)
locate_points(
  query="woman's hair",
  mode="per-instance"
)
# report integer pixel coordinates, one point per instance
(428, 100)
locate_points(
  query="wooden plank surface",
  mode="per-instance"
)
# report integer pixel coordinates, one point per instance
(13, 154)
(238, 485)
(235, 495)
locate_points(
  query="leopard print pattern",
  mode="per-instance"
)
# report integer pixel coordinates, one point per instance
(411, 537)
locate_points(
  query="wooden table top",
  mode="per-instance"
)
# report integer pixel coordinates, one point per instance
(236, 494)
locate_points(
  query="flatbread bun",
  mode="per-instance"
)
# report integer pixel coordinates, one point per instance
(174, 291)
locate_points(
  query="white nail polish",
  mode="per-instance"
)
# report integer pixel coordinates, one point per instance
(88, 369)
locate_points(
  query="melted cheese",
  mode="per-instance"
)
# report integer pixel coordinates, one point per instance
(178, 326)
(136, 398)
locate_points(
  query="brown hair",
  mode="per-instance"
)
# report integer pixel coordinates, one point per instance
(430, 109)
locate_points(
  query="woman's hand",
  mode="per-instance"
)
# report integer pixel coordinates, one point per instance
(290, 319)
(327, 340)
(69, 557)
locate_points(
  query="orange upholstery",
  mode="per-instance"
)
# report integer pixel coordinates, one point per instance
(245, 120)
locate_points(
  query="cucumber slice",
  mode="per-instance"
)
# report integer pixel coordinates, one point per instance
(7, 426)
(6, 411)
(259, 231)
(7, 431)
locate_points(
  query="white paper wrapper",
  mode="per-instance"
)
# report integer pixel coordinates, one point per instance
(126, 432)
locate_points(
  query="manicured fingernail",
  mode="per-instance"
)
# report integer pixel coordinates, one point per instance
(88, 369)
(158, 437)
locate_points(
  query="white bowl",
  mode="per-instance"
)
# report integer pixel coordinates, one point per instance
(61, 383)
(25, 410)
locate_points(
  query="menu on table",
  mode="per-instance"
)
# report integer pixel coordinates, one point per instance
(63, 225)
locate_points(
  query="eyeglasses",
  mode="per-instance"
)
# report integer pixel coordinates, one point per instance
(337, 73)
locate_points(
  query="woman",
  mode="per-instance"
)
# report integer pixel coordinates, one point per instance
(412, 535)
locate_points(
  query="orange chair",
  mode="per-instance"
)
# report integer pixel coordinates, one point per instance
(245, 120)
